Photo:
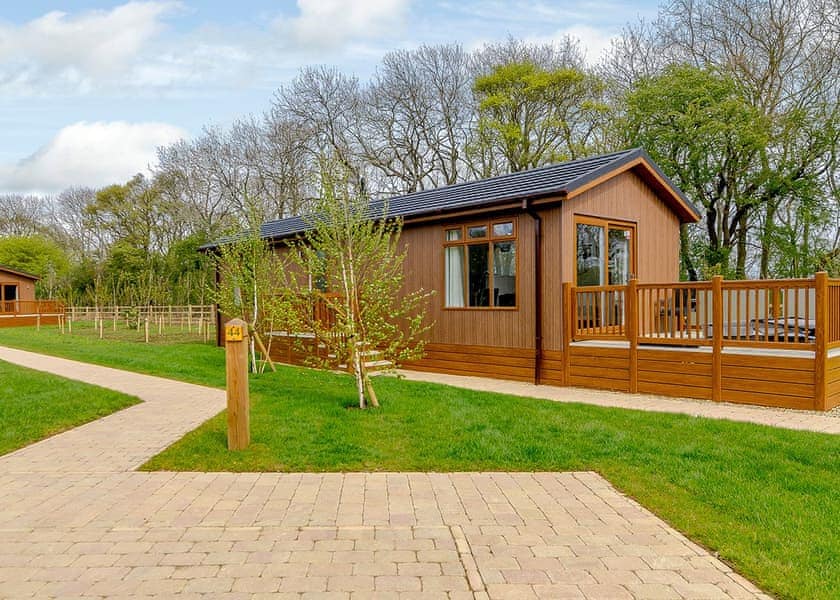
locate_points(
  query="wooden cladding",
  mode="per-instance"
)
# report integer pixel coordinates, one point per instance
(599, 368)
(482, 361)
(832, 381)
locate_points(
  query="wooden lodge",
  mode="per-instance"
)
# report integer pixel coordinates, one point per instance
(568, 275)
(18, 305)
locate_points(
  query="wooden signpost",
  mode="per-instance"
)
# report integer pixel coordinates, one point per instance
(236, 368)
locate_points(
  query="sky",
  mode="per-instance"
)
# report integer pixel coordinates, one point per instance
(90, 89)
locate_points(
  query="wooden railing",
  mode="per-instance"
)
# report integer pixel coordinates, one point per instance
(31, 307)
(674, 313)
(763, 313)
(832, 329)
(599, 312)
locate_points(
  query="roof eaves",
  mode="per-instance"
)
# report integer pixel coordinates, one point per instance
(20, 273)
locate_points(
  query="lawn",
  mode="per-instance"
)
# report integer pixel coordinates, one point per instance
(767, 500)
(34, 405)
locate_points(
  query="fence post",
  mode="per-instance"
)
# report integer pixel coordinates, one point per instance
(717, 337)
(236, 375)
(820, 341)
(146, 328)
(568, 328)
(631, 327)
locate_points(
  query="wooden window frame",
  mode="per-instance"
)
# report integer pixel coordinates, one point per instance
(606, 223)
(489, 239)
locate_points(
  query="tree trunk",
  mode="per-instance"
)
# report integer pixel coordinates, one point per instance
(741, 258)
(357, 371)
(769, 224)
(685, 256)
(374, 402)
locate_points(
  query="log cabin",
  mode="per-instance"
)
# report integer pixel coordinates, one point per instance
(569, 275)
(18, 305)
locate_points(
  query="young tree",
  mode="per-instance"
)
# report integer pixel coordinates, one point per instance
(353, 250)
(248, 287)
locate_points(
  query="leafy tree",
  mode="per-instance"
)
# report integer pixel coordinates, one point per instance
(532, 115)
(248, 286)
(39, 256)
(702, 132)
(353, 251)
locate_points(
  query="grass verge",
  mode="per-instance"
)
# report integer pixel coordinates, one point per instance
(765, 499)
(35, 405)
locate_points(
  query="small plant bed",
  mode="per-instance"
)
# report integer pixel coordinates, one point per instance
(35, 405)
(765, 499)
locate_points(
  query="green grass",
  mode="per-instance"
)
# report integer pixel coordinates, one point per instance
(35, 405)
(767, 500)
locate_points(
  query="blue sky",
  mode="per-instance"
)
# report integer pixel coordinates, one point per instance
(89, 89)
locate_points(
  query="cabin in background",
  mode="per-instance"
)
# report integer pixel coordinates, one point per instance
(569, 275)
(17, 300)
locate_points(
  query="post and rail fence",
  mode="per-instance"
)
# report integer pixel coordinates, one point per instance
(187, 315)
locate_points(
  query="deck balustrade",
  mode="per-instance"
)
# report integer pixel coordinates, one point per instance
(31, 307)
(766, 319)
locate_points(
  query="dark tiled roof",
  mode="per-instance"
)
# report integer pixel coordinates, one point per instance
(544, 181)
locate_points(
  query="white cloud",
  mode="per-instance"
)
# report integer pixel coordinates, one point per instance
(91, 154)
(328, 24)
(593, 40)
(77, 50)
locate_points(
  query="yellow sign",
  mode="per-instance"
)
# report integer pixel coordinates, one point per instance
(233, 333)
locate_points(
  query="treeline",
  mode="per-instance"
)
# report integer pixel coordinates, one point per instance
(737, 101)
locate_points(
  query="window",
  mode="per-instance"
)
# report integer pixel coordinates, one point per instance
(480, 265)
(605, 252)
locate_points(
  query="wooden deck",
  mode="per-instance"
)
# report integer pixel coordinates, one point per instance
(773, 343)
(18, 313)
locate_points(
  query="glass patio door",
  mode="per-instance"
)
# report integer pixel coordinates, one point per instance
(604, 257)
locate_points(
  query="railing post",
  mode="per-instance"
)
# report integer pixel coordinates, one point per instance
(820, 350)
(568, 328)
(717, 337)
(631, 327)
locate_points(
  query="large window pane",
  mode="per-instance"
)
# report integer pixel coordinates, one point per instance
(590, 257)
(504, 273)
(478, 282)
(455, 277)
(619, 256)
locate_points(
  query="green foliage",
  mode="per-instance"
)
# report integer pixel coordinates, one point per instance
(702, 132)
(356, 253)
(533, 116)
(39, 256)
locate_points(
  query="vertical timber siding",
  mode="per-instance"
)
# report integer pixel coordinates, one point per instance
(626, 197)
(832, 380)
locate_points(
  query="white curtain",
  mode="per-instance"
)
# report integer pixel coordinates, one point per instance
(455, 276)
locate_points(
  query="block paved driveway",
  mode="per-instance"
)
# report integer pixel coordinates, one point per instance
(76, 519)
